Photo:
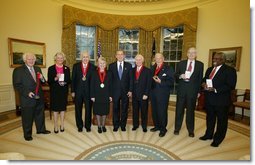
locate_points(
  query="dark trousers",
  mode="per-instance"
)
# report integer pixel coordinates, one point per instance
(30, 114)
(159, 111)
(137, 106)
(217, 114)
(79, 101)
(188, 102)
(120, 121)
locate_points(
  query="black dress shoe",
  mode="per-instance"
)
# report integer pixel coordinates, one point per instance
(144, 129)
(123, 129)
(99, 130)
(214, 144)
(154, 129)
(191, 135)
(88, 129)
(176, 132)
(134, 128)
(62, 130)
(104, 129)
(28, 138)
(44, 132)
(79, 129)
(55, 131)
(162, 134)
(115, 129)
(205, 138)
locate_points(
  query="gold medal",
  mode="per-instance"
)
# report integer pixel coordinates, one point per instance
(84, 78)
(102, 85)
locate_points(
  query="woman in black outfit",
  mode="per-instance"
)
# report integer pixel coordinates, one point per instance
(58, 80)
(101, 93)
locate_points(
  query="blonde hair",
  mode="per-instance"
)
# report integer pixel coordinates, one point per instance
(101, 59)
(60, 53)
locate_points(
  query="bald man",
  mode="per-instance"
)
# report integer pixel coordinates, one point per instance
(162, 83)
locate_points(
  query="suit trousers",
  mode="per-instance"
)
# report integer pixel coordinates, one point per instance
(79, 101)
(159, 111)
(219, 114)
(120, 120)
(137, 106)
(30, 114)
(189, 102)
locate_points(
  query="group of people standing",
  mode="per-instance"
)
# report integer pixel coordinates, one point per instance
(98, 86)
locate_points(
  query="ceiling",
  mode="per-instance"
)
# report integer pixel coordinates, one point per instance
(134, 7)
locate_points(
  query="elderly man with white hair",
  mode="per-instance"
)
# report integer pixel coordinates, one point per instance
(27, 81)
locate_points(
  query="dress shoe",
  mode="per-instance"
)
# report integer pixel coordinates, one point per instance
(88, 129)
(144, 129)
(99, 130)
(176, 132)
(123, 129)
(104, 129)
(79, 129)
(162, 134)
(191, 135)
(214, 144)
(134, 128)
(44, 132)
(55, 131)
(154, 129)
(115, 129)
(62, 130)
(28, 138)
(205, 138)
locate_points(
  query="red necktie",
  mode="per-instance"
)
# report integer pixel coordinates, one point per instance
(190, 66)
(212, 73)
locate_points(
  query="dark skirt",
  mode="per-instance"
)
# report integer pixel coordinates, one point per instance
(101, 108)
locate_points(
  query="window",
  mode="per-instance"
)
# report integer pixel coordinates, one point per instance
(85, 40)
(129, 43)
(172, 47)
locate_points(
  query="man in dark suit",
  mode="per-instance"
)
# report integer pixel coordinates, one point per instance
(80, 88)
(27, 81)
(141, 90)
(162, 82)
(189, 75)
(218, 83)
(122, 90)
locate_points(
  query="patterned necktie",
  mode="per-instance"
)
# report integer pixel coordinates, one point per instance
(212, 73)
(32, 73)
(190, 66)
(120, 71)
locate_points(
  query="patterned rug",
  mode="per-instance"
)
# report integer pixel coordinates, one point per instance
(126, 150)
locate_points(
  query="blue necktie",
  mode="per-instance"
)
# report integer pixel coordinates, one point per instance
(120, 71)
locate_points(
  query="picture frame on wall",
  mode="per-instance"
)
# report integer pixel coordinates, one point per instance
(17, 47)
(232, 54)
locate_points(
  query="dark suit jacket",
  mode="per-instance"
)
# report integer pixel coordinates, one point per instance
(123, 86)
(195, 79)
(24, 83)
(166, 75)
(142, 86)
(79, 86)
(224, 82)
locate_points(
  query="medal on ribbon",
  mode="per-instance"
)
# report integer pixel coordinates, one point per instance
(38, 76)
(84, 72)
(101, 77)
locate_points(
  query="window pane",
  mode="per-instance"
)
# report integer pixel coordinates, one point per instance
(172, 47)
(85, 40)
(129, 43)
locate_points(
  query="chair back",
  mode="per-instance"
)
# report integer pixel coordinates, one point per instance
(246, 95)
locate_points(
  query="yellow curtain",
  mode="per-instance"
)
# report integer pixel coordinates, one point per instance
(108, 28)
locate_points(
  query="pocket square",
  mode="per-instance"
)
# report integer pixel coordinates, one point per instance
(163, 74)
